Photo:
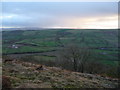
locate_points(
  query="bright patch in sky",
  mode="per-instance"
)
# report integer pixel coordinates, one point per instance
(78, 15)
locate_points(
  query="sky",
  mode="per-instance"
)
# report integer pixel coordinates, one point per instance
(76, 15)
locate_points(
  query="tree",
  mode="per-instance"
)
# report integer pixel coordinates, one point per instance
(76, 56)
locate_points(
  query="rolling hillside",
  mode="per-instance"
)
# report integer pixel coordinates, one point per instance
(24, 75)
(104, 42)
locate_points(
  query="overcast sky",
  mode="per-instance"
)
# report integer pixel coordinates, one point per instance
(60, 14)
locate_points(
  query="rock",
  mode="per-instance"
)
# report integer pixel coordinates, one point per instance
(8, 60)
(39, 68)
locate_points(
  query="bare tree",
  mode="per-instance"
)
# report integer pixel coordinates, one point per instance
(76, 56)
(84, 56)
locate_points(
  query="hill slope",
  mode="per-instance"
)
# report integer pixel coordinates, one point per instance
(24, 75)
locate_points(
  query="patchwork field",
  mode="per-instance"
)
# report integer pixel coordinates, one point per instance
(42, 43)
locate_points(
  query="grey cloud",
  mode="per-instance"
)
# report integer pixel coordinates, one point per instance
(50, 13)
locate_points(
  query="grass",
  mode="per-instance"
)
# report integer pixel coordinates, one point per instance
(44, 57)
(52, 77)
(25, 49)
(48, 40)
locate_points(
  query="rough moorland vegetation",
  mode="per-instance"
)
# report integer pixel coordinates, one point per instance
(19, 74)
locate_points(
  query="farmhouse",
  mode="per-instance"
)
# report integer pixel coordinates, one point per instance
(14, 46)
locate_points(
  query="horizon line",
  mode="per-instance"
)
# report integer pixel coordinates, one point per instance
(50, 28)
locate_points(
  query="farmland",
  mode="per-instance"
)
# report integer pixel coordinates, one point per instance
(104, 42)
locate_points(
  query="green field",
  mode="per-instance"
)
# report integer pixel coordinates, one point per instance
(104, 42)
